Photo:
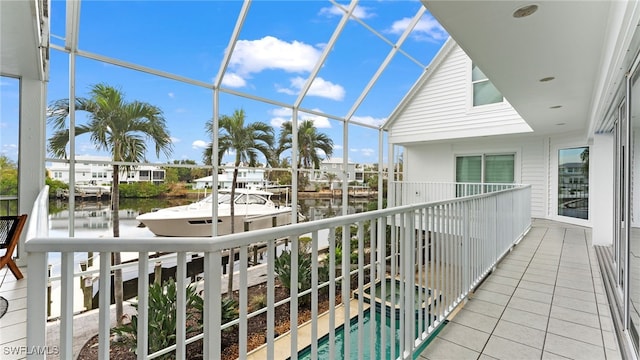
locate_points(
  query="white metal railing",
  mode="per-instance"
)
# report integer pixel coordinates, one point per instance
(432, 253)
(407, 192)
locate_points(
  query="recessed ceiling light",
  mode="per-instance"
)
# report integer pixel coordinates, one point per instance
(555, 107)
(548, 78)
(525, 11)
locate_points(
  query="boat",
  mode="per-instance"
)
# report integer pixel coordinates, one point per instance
(253, 209)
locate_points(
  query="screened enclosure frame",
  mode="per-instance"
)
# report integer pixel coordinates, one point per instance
(72, 49)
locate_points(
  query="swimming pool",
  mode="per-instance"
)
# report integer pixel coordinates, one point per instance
(323, 343)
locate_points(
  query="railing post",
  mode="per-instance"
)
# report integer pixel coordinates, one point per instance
(37, 304)
(66, 306)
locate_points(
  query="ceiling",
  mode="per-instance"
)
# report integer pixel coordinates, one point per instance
(562, 39)
(19, 40)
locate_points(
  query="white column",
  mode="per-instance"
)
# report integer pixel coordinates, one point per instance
(31, 153)
(601, 188)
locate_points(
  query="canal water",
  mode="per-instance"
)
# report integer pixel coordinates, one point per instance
(93, 220)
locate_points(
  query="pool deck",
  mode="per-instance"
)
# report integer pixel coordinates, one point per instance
(546, 300)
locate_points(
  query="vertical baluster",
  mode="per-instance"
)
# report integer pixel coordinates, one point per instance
(181, 305)
(242, 298)
(212, 312)
(382, 249)
(143, 305)
(66, 306)
(360, 290)
(104, 313)
(271, 258)
(332, 293)
(346, 286)
(392, 287)
(420, 251)
(374, 230)
(314, 295)
(293, 293)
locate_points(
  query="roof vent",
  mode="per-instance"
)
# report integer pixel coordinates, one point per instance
(525, 11)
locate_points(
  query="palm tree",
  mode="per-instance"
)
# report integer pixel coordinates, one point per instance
(248, 141)
(309, 142)
(120, 128)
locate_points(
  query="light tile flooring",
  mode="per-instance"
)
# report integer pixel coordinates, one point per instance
(545, 300)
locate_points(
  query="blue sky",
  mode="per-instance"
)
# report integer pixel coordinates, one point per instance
(278, 47)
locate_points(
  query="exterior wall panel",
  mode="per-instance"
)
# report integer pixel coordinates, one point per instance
(441, 108)
(435, 162)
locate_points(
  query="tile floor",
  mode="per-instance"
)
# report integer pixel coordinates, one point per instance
(545, 300)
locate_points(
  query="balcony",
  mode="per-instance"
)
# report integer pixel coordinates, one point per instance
(473, 276)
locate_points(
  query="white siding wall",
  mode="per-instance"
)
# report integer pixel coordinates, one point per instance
(442, 108)
(436, 162)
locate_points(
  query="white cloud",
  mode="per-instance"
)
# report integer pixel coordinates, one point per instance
(10, 148)
(199, 144)
(281, 115)
(175, 140)
(181, 110)
(365, 151)
(172, 95)
(254, 56)
(4, 124)
(233, 80)
(337, 147)
(319, 87)
(427, 29)
(360, 12)
(368, 120)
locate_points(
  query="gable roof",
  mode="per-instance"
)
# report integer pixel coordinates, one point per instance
(436, 62)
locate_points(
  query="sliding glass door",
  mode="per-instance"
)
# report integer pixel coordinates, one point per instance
(633, 209)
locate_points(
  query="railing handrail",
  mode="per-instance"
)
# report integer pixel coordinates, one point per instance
(208, 244)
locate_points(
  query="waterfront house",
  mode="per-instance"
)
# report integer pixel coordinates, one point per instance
(97, 170)
(247, 178)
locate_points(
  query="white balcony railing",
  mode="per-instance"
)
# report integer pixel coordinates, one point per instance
(435, 253)
(406, 192)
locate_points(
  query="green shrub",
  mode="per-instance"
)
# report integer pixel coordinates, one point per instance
(162, 317)
(229, 309)
(54, 185)
(257, 302)
(162, 311)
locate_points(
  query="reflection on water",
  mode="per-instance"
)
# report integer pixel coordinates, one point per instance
(93, 220)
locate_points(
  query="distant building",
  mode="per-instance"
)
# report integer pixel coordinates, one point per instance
(353, 173)
(247, 178)
(89, 171)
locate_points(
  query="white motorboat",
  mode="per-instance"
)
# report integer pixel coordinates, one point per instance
(253, 209)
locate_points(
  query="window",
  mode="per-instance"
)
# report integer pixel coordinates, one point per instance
(483, 169)
(483, 90)
(494, 169)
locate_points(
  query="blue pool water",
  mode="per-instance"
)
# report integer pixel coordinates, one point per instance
(323, 343)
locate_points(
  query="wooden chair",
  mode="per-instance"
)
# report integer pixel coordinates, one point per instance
(10, 230)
